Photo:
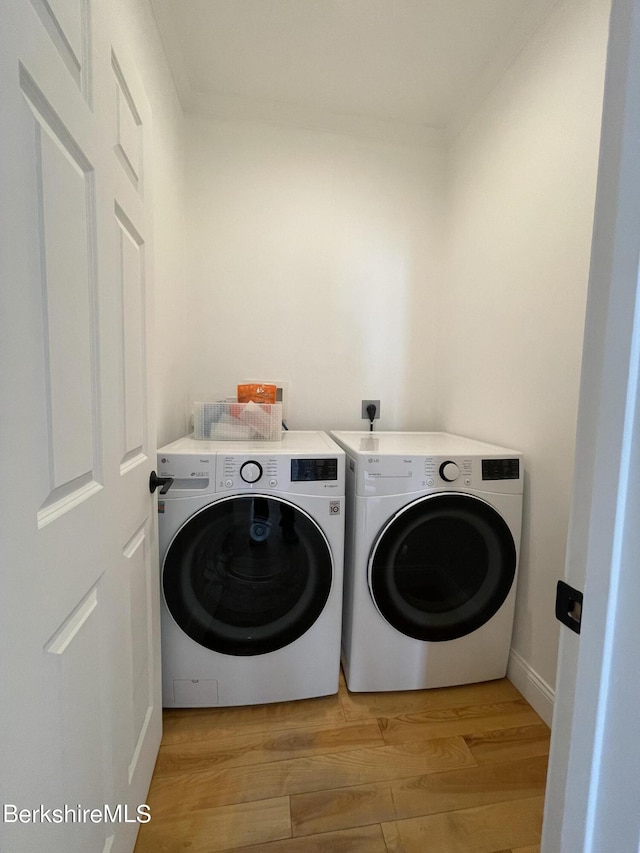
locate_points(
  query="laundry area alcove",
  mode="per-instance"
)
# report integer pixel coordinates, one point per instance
(439, 265)
(435, 257)
(387, 200)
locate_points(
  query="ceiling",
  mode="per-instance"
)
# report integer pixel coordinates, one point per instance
(391, 67)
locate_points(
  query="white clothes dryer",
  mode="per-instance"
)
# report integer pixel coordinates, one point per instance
(251, 551)
(431, 556)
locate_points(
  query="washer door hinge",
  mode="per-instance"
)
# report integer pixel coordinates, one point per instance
(569, 606)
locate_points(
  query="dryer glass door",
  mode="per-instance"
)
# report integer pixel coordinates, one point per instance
(247, 575)
(442, 567)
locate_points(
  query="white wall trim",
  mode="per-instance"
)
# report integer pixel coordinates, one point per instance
(535, 689)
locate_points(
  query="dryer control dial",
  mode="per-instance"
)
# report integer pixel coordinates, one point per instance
(449, 471)
(251, 472)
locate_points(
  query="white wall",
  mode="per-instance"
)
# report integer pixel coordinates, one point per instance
(170, 351)
(522, 194)
(315, 258)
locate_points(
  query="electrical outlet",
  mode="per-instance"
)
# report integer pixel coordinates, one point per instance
(366, 403)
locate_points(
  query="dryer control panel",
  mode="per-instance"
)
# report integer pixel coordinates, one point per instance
(399, 474)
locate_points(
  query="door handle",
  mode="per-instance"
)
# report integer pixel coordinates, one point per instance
(163, 483)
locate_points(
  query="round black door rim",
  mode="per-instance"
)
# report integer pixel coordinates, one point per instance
(247, 574)
(442, 566)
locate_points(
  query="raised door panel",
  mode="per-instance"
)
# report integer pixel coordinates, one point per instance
(75, 681)
(138, 555)
(67, 23)
(65, 243)
(128, 142)
(131, 286)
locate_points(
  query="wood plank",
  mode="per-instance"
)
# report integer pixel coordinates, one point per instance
(364, 839)
(180, 792)
(487, 829)
(509, 744)
(217, 829)
(186, 724)
(359, 706)
(237, 748)
(323, 811)
(475, 786)
(465, 720)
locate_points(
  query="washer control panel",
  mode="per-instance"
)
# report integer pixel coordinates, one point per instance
(237, 472)
(296, 474)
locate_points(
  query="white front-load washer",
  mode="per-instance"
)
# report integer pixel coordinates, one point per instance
(431, 557)
(251, 551)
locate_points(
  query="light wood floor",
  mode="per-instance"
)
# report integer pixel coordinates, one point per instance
(455, 770)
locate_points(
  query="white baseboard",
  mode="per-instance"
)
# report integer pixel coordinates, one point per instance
(535, 690)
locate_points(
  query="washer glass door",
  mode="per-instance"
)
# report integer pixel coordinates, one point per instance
(247, 575)
(442, 567)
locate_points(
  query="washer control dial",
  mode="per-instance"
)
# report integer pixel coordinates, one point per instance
(251, 472)
(449, 471)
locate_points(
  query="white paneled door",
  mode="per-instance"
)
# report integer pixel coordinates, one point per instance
(79, 691)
